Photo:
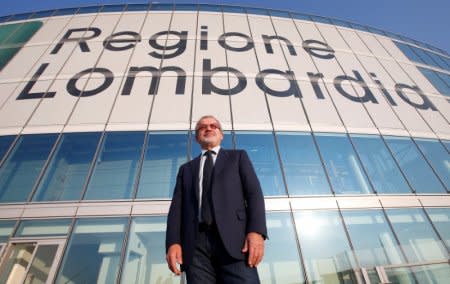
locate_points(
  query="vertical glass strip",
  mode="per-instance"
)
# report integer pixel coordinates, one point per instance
(115, 169)
(19, 172)
(344, 169)
(68, 169)
(438, 157)
(417, 171)
(440, 217)
(384, 173)
(303, 168)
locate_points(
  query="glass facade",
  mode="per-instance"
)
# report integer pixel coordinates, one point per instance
(347, 127)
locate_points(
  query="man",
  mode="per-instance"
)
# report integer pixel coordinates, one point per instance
(216, 225)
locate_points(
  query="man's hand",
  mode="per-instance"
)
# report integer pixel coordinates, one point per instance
(254, 245)
(174, 256)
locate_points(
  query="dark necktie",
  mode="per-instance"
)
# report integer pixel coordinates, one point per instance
(206, 209)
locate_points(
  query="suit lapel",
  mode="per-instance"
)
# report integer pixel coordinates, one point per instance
(220, 163)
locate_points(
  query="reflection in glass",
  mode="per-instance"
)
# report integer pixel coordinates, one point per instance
(260, 148)
(93, 252)
(438, 157)
(5, 143)
(6, 228)
(34, 228)
(326, 251)
(302, 166)
(145, 256)
(440, 217)
(446, 144)
(19, 172)
(281, 263)
(379, 164)
(67, 171)
(15, 268)
(415, 168)
(41, 264)
(166, 152)
(416, 236)
(374, 243)
(114, 174)
(345, 171)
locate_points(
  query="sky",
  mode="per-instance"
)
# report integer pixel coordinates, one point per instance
(427, 21)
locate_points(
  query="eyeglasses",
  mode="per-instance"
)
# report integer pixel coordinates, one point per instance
(213, 126)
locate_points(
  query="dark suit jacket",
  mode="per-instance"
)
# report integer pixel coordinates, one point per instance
(238, 204)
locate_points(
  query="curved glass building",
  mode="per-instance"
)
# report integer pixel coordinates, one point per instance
(347, 127)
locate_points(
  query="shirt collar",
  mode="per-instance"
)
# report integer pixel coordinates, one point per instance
(215, 149)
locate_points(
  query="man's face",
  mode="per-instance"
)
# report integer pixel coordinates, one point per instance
(209, 134)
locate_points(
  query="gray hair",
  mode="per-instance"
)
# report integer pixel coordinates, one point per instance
(207, 116)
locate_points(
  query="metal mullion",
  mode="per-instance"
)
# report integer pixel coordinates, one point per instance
(298, 243)
(430, 165)
(10, 149)
(92, 167)
(51, 155)
(189, 142)
(322, 160)
(124, 249)
(64, 246)
(33, 255)
(140, 165)
(357, 262)
(400, 246)
(268, 107)
(434, 228)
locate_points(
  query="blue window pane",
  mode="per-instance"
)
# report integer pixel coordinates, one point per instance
(417, 238)
(18, 17)
(381, 168)
(137, 7)
(406, 49)
(67, 172)
(438, 157)
(113, 8)
(5, 143)
(93, 252)
(320, 19)
(281, 263)
(341, 23)
(302, 166)
(41, 228)
(227, 143)
(165, 153)
(439, 60)
(447, 145)
(19, 172)
(345, 171)
(377, 31)
(415, 168)
(115, 169)
(6, 229)
(440, 217)
(161, 7)
(185, 7)
(299, 16)
(424, 56)
(210, 8)
(144, 261)
(4, 19)
(256, 11)
(43, 14)
(359, 27)
(68, 11)
(233, 9)
(436, 81)
(90, 9)
(372, 238)
(325, 247)
(281, 14)
(445, 78)
(261, 150)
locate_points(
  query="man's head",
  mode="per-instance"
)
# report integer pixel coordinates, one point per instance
(208, 132)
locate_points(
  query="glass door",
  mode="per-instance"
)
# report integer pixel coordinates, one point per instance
(31, 262)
